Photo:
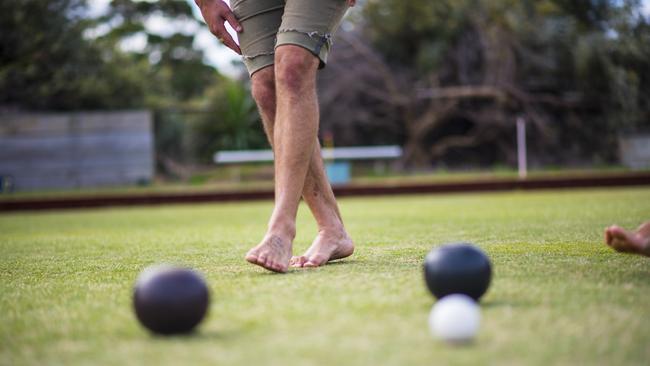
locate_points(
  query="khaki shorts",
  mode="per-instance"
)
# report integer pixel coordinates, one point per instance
(271, 23)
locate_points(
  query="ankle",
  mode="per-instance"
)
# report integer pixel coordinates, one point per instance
(336, 231)
(285, 230)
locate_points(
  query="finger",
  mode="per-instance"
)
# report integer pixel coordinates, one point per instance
(225, 38)
(230, 43)
(232, 20)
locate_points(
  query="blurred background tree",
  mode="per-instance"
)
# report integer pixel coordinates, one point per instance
(449, 78)
(239, 122)
(46, 63)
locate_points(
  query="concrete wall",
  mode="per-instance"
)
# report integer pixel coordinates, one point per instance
(635, 151)
(72, 150)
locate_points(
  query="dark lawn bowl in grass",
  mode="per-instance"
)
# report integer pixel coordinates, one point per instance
(558, 294)
(170, 300)
(459, 268)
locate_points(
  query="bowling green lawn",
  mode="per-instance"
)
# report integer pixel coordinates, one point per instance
(558, 296)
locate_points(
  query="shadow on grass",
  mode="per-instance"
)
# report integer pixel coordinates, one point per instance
(308, 270)
(198, 335)
(502, 303)
(492, 304)
(340, 262)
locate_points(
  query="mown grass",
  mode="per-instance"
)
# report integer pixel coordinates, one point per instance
(559, 296)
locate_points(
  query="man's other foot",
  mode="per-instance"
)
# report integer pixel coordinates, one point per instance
(273, 253)
(622, 240)
(326, 247)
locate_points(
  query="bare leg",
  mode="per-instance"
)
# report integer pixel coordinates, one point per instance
(294, 136)
(295, 131)
(627, 241)
(332, 241)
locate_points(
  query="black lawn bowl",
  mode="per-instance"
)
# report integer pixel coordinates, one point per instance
(457, 269)
(170, 300)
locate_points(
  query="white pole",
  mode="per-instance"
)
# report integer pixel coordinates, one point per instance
(521, 148)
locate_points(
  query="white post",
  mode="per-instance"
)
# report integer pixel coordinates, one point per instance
(521, 148)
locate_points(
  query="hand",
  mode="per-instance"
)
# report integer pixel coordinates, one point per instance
(352, 2)
(216, 13)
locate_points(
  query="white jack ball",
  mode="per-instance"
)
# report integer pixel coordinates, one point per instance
(455, 318)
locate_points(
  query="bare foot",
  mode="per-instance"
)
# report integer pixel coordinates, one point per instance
(627, 241)
(273, 253)
(326, 247)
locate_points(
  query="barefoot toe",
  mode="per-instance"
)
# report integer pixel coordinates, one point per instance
(298, 261)
(608, 237)
(251, 256)
(326, 247)
(273, 253)
(316, 260)
(629, 241)
(263, 260)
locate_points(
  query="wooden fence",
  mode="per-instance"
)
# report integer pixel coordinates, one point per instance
(72, 150)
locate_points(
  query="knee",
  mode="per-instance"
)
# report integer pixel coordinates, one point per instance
(263, 89)
(295, 68)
